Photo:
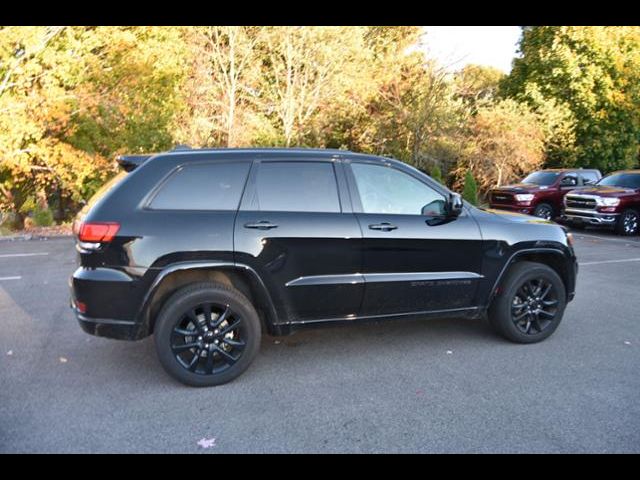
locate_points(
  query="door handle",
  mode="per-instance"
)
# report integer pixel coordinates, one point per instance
(261, 225)
(384, 226)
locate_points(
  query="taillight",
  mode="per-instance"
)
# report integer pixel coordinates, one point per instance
(97, 232)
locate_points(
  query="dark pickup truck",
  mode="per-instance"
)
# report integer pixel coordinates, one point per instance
(541, 193)
(614, 201)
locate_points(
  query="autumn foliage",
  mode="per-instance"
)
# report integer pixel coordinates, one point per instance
(72, 98)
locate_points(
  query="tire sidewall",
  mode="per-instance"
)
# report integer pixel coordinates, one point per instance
(503, 320)
(187, 298)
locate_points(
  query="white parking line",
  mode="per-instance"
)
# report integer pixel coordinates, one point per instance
(9, 278)
(610, 261)
(629, 242)
(23, 254)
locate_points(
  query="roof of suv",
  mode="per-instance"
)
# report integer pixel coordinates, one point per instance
(577, 169)
(132, 161)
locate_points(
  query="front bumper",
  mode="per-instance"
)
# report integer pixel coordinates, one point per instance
(513, 208)
(590, 217)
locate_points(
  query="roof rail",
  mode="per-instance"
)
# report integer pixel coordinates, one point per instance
(131, 162)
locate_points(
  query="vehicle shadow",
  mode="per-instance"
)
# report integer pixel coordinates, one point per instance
(285, 355)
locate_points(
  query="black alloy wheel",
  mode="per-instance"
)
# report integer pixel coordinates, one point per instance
(208, 339)
(207, 334)
(534, 306)
(529, 304)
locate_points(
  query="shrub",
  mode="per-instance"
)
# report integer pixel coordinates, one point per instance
(470, 190)
(43, 217)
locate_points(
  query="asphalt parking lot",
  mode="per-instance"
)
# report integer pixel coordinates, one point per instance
(404, 386)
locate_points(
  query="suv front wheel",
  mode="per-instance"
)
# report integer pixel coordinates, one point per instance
(628, 223)
(207, 334)
(530, 305)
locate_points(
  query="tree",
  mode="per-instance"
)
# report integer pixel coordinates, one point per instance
(72, 97)
(593, 73)
(470, 190)
(505, 141)
(222, 88)
(304, 69)
(477, 84)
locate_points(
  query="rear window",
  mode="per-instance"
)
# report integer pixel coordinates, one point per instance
(297, 187)
(212, 186)
(589, 178)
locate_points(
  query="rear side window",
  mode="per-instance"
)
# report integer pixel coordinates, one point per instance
(211, 186)
(297, 187)
(589, 178)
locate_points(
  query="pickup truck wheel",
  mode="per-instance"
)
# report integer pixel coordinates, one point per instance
(544, 210)
(530, 305)
(207, 334)
(628, 222)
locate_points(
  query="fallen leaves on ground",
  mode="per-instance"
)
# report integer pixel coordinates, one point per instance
(207, 442)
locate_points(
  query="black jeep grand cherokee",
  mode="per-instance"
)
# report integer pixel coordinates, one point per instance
(206, 249)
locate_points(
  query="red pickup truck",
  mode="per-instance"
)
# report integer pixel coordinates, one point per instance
(614, 201)
(541, 193)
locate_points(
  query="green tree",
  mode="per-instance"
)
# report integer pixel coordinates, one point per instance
(436, 174)
(470, 190)
(592, 74)
(477, 84)
(505, 141)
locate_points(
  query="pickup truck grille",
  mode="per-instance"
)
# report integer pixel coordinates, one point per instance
(501, 197)
(574, 201)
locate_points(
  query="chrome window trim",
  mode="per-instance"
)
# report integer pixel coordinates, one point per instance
(356, 278)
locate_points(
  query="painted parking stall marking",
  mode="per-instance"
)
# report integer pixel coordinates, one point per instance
(10, 255)
(601, 262)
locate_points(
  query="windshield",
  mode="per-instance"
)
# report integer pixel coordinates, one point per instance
(541, 178)
(624, 180)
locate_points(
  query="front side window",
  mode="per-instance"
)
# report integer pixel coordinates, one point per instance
(211, 186)
(297, 187)
(624, 180)
(387, 190)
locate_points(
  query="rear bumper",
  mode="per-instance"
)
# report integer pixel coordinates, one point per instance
(589, 217)
(109, 328)
(106, 303)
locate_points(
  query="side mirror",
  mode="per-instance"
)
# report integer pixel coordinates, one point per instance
(455, 205)
(436, 208)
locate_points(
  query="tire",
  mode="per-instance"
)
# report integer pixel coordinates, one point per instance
(503, 311)
(219, 353)
(629, 223)
(544, 210)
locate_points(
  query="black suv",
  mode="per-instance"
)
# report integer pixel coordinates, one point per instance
(206, 249)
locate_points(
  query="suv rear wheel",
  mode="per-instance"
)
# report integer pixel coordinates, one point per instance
(207, 334)
(531, 304)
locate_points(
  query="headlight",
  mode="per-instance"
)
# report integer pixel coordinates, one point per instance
(524, 197)
(608, 201)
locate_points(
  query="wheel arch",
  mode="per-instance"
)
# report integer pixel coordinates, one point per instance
(553, 258)
(240, 277)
